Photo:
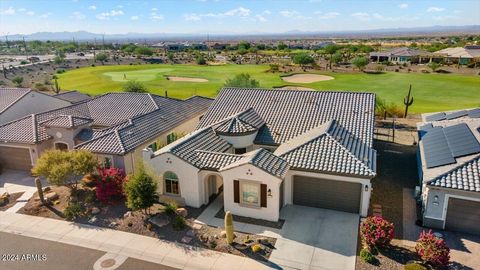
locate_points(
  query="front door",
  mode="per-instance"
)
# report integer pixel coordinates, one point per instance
(212, 187)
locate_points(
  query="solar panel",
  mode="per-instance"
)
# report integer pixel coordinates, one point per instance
(475, 113)
(435, 117)
(461, 140)
(436, 150)
(426, 127)
(456, 114)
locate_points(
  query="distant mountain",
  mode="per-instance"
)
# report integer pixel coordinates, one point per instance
(136, 37)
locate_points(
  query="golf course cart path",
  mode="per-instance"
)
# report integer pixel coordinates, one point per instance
(185, 79)
(306, 78)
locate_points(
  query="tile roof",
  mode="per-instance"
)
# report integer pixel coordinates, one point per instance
(67, 121)
(330, 148)
(464, 177)
(402, 51)
(73, 96)
(244, 122)
(216, 160)
(8, 96)
(262, 159)
(289, 113)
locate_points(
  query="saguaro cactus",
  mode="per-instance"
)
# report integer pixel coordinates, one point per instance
(38, 183)
(408, 101)
(229, 227)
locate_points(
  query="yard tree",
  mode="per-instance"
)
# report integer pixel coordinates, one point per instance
(433, 66)
(143, 51)
(336, 58)
(102, 57)
(171, 56)
(140, 189)
(17, 80)
(360, 62)
(201, 60)
(331, 49)
(65, 168)
(303, 59)
(282, 46)
(134, 87)
(242, 80)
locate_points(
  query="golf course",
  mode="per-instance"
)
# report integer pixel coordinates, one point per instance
(431, 92)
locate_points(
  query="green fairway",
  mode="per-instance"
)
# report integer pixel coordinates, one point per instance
(431, 92)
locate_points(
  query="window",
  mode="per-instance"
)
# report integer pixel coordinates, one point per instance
(153, 146)
(171, 183)
(250, 193)
(61, 146)
(240, 151)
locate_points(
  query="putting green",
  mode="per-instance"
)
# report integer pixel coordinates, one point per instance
(431, 92)
(138, 75)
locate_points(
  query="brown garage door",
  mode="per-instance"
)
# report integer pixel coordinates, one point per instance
(15, 158)
(463, 216)
(330, 194)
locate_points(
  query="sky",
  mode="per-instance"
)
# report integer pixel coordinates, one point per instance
(229, 17)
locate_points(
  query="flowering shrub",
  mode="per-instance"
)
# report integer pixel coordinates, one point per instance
(110, 184)
(432, 249)
(376, 231)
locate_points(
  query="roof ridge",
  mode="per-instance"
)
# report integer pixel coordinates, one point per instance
(214, 152)
(28, 90)
(120, 140)
(455, 168)
(155, 103)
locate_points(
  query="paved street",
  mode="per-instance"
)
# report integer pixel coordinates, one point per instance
(56, 255)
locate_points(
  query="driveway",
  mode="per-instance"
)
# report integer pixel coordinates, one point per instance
(315, 238)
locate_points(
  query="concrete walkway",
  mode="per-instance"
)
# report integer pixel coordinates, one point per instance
(122, 243)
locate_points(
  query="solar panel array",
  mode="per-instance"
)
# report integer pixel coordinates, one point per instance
(456, 114)
(473, 113)
(435, 117)
(443, 144)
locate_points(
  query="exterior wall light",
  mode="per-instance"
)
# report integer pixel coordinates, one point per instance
(366, 188)
(269, 193)
(435, 200)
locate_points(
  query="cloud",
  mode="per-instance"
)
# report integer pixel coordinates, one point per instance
(326, 16)
(154, 9)
(192, 17)
(119, 6)
(108, 15)
(92, 7)
(30, 13)
(8, 11)
(289, 13)
(435, 9)
(21, 9)
(156, 17)
(46, 15)
(403, 6)
(444, 18)
(237, 12)
(260, 18)
(134, 18)
(363, 16)
(267, 12)
(77, 15)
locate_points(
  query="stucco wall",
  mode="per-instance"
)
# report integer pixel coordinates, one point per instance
(33, 102)
(252, 173)
(365, 196)
(240, 141)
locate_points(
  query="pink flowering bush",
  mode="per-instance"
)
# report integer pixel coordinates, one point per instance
(432, 250)
(110, 184)
(376, 231)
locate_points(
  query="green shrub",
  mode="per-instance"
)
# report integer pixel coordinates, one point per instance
(73, 210)
(213, 244)
(23, 62)
(367, 256)
(414, 266)
(179, 223)
(256, 248)
(170, 209)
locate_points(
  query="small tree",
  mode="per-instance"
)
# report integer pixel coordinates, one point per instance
(433, 66)
(376, 231)
(360, 62)
(110, 184)
(64, 168)
(140, 189)
(143, 51)
(134, 87)
(432, 250)
(102, 57)
(303, 59)
(242, 80)
(201, 60)
(17, 80)
(171, 56)
(336, 58)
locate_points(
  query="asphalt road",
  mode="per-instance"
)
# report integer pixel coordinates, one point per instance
(23, 253)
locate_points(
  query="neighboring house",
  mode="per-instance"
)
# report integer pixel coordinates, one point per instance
(401, 55)
(449, 170)
(115, 126)
(73, 96)
(268, 148)
(18, 102)
(458, 55)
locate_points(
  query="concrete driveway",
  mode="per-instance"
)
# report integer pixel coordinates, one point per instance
(314, 238)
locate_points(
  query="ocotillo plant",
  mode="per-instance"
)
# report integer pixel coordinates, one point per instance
(38, 183)
(229, 227)
(408, 101)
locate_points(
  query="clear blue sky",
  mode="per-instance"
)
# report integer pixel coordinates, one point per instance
(230, 17)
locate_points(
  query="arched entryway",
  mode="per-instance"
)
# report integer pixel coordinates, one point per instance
(61, 146)
(213, 186)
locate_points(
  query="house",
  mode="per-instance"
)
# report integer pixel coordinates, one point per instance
(73, 96)
(18, 102)
(449, 170)
(401, 55)
(115, 126)
(460, 55)
(268, 148)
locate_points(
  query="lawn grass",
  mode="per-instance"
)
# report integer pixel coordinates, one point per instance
(431, 92)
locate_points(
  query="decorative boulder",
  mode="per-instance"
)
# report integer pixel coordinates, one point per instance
(52, 196)
(223, 234)
(4, 199)
(181, 212)
(95, 210)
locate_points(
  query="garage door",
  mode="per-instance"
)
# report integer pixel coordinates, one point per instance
(330, 194)
(463, 216)
(15, 158)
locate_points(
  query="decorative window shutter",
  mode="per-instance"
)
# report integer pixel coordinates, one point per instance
(263, 195)
(236, 191)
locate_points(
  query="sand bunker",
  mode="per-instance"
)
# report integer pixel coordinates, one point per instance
(185, 79)
(296, 88)
(306, 78)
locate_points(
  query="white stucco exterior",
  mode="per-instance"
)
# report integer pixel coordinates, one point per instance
(240, 141)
